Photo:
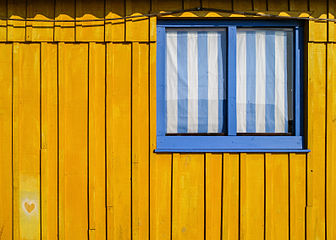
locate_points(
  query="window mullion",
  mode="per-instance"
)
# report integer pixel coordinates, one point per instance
(231, 81)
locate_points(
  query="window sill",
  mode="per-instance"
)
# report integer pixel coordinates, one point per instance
(230, 144)
(231, 151)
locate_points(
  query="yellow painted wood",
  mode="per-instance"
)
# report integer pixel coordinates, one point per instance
(259, 5)
(97, 210)
(16, 29)
(118, 130)
(115, 29)
(64, 10)
(217, 4)
(137, 29)
(160, 169)
(245, 5)
(213, 194)
(158, 5)
(276, 215)
(230, 219)
(6, 141)
(297, 194)
(251, 196)
(49, 145)
(26, 139)
(332, 25)
(188, 196)
(316, 139)
(318, 30)
(191, 4)
(331, 141)
(89, 31)
(298, 5)
(3, 23)
(140, 141)
(40, 31)
(274, 5)
(73, 92)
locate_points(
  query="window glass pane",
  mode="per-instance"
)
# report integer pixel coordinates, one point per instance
(264, 80)
(195, 81)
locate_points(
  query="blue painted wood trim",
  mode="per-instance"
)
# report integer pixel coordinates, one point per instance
(234, 151)
(231, 81)
(160, 81)
(193, 143)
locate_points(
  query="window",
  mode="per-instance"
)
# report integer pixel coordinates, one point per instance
(229, 86)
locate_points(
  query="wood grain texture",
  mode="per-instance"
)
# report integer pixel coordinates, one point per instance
(297, 180)
(316, 140)
(251, 196)
(3, 23)
(118, 127)
(49, 144)
(188, 196)
(6, 128)
(73, 115)
(318, 29)
(213, 195)
(277, 215)
(331, 141)
(90, 31)
(16, 29)
(115, 29)
(26, 140)
(231, 178)
(42, 10)
(96, 168)
(140, 142)
(65, 10)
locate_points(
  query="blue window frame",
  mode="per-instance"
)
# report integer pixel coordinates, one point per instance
(230, 140)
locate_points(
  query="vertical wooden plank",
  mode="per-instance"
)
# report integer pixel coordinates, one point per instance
(297, 195)
(3, 23)
(65, 10)
(188, 196)
(260, 5)
(41, 10)
(230, 220)
(49, 145)
(140, 142)
(169, 5)
(160, 169)
(252, 196)
(118, 141)
(115, 29)
(97, 212)
(87, 10)
(316, 140)
(73, 92)
(6, 141)
(213, 195)
(331, 141)
(277, 216)
(16, 29)
(26, 159)
(318, 29)
(137, 29)
(242, 5)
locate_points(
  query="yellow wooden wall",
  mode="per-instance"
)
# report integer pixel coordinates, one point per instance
(78, 126)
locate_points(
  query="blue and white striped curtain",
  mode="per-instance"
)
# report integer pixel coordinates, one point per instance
(195, 81)
(264, 70)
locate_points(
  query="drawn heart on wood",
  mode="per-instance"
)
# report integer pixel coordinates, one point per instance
(29, 206)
